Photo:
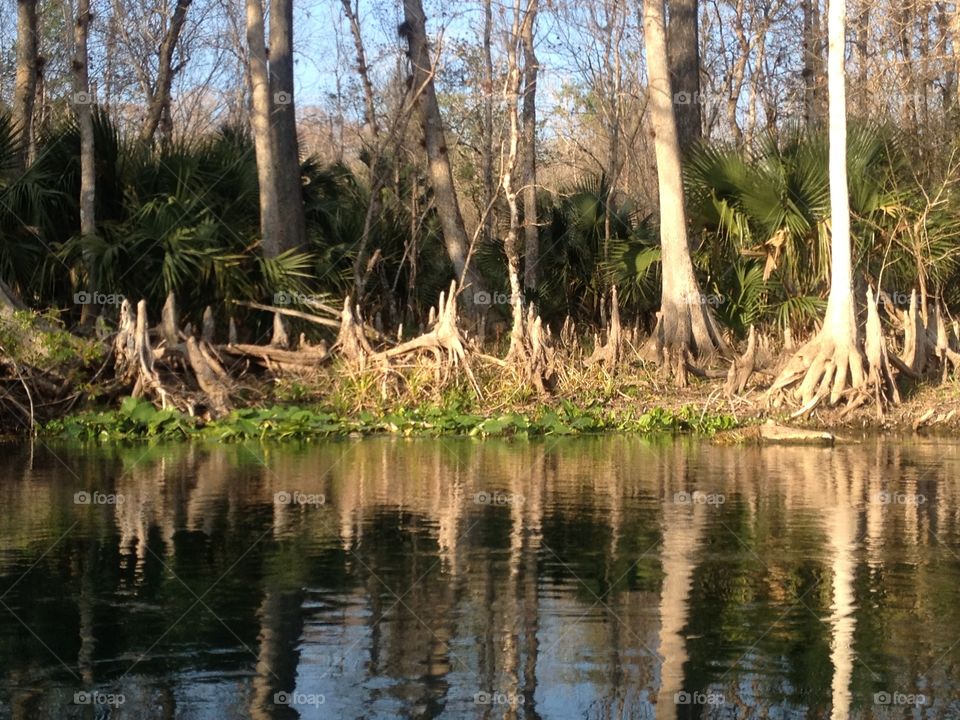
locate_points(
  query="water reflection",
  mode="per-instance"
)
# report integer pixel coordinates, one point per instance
(601, 578)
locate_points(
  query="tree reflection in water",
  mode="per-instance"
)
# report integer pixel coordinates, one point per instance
(595, 577)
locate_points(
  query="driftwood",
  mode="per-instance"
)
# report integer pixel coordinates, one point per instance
(271, 357)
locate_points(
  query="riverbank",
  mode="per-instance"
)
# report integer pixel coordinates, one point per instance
(332, 405)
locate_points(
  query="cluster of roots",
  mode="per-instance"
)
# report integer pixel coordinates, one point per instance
(184, 368)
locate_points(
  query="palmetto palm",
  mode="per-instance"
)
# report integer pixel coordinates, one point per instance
(771, 202)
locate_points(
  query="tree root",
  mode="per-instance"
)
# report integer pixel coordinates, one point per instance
(609, 353)
(531, 350)
(742, 367)
(831, 366)
(443, 340)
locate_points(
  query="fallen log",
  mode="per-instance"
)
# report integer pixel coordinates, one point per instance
(303, 358)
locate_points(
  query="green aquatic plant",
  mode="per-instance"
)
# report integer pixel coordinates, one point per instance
(138, 419)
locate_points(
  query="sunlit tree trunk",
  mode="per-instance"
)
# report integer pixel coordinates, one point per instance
(261, 107)
(25, 90)
(83, 106)
(158, 105)
(438, 157)
(833, 361)
(840, 309)
(531, 230)
(685, 323)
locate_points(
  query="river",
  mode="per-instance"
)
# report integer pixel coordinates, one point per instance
(607, 577)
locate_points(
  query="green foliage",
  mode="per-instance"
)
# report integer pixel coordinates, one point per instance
(138, 419)
(39, 341)
(764, 212)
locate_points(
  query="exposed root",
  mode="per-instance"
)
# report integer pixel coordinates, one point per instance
(610, 352)
(280, 338)
(742, 367)
(210, 377)
(531, 350)
(351, 341)
(916, 341)
(135, 357)
(443, 340)
(832, 367)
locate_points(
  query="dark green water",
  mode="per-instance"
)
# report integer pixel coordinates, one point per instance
(587, 578)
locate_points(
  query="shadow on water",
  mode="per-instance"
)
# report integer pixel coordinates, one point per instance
(594, 577)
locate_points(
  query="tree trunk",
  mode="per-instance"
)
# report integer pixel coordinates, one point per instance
(833, 361)
(292, 232)
(438, 159)
(685, 323)
(486, 147)
(531, 229)
(159, 101)
(261, 107)
(683, 48)
(83, 106)
(363, 72)
(371, 148)
(510, 242)
(840, 308)
(812, 62)
(25, 90)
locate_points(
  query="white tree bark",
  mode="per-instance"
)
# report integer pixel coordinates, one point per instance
(686, 323)
(840, 308)
(833, 362)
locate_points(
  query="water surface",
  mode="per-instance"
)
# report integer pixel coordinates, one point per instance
(571, 578)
